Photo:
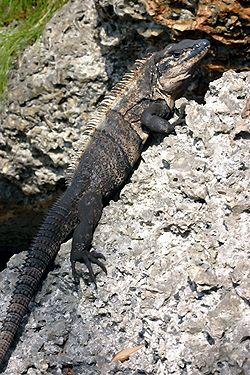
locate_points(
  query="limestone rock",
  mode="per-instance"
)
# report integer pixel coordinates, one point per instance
(177, 249)
(54, 85)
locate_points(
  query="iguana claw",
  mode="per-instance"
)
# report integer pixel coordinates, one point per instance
(89, 257)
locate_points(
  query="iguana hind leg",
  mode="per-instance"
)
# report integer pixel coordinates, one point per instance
(89, 210)
(155, 117)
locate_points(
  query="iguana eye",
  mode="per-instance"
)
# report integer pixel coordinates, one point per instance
(176, 54)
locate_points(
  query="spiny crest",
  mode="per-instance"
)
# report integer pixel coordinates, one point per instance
(113, 95)
(72, 167)
(99, 115)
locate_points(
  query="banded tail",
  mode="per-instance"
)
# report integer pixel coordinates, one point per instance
(56, 226)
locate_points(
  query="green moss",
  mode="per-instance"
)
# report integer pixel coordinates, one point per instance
(21, 23)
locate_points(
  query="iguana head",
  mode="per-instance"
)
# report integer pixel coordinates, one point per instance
(176, 62)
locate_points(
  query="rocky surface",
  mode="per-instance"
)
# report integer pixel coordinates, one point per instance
(225, 21)
(54, 85)
(177, 249)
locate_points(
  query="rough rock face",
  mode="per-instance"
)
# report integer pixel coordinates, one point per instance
(52, 88)
(55, 83)
(226, 21)
(176, 247)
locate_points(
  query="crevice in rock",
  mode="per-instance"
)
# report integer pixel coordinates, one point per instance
(209, 338)
(242, 135)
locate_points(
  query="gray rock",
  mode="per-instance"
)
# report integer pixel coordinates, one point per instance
(53, 87)
(177, 249)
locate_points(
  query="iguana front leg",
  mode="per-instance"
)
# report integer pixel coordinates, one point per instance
(89, 210)
(155, 117)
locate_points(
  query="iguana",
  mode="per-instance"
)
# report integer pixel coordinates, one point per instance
(111, 145)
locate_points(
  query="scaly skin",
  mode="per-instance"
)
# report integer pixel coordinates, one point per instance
(140, 104)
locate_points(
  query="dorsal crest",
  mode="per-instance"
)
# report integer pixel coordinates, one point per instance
(108, 102)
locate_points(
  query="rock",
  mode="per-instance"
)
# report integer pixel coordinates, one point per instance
(53, 87)
(225, 21)
(176, 244)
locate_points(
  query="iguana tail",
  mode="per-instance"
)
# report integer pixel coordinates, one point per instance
(56, 226)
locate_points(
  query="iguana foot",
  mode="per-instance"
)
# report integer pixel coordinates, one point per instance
(89, 257)
(155, 117)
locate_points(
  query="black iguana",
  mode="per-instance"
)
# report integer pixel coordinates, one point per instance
(111, 145)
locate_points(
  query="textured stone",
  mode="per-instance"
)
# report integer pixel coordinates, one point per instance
(177, 246)
(225, 21)
(55, 84)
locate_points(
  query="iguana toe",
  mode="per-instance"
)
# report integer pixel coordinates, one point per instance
(88, 258)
